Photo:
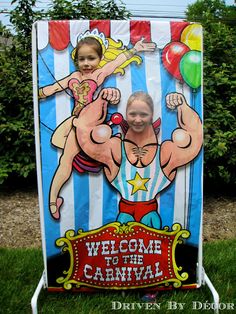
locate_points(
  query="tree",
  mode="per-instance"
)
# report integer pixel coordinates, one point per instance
(211, 11)
(17, 152)
(16, 111)
(219, 90)
(87, 9)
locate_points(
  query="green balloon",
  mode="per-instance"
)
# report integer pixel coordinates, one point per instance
(190, 68)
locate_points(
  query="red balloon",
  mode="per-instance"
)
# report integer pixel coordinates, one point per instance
(171, 56)
(116, 118)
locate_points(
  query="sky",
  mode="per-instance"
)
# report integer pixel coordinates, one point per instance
(167, 8)
(139, 8)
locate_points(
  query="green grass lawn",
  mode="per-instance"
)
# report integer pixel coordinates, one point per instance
(21, 270)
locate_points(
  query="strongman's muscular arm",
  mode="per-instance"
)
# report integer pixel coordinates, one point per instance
(186, 140)
(94, 136)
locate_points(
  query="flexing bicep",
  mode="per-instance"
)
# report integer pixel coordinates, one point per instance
(98, 143)
(180, 150)
(186, 140)
(93, 134)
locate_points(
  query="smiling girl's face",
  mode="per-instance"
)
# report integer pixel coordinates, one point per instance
(139, 115)
(88, 59)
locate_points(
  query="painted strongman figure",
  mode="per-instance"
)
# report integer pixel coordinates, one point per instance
(136, 165)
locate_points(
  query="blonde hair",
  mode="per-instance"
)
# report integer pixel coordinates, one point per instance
(114, 49)
(140, 95)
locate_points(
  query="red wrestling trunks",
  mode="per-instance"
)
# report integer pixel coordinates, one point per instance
(137, 209)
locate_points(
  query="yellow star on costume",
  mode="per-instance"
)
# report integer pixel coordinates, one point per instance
(138, 183)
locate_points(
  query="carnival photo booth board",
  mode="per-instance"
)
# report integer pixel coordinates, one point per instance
(86, 245)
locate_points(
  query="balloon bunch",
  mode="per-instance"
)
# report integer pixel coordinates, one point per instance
(182, 59)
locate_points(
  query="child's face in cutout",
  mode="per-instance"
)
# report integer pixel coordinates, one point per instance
(88, 59)
(139, 115)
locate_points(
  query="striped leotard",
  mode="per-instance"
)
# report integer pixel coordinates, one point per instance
(138, 188)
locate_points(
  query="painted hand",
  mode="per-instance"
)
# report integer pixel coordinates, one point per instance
(112, 95)
(173, 100)
(142, 46)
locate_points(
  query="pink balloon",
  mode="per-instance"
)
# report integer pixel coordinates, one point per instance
(171, 56)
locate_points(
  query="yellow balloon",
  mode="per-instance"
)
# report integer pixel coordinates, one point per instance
(192, 36)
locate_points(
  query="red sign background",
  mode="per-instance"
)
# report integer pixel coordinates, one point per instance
(123, 256)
